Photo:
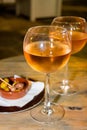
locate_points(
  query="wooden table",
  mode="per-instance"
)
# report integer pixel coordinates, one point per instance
(74, 119)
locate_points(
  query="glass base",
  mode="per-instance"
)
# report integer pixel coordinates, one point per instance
(39, 115)
(65, 87)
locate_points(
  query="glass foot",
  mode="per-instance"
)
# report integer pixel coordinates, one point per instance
(65, 87)
(39, 115)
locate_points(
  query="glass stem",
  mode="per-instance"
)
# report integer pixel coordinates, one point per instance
(65, 81)
(47, 104)
(66, 73)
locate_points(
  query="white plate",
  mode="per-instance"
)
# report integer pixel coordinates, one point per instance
(30, 100)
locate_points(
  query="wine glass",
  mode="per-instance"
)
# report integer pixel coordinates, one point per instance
(76, 26)
(47, 49)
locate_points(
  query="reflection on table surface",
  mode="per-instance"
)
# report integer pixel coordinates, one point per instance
(75, 106)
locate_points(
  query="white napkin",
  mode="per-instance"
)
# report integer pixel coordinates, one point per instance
(35, 89)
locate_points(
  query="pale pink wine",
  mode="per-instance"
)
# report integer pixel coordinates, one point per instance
(79, 40)
(45, 58)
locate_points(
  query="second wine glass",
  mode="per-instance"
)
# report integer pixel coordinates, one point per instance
(76, 27)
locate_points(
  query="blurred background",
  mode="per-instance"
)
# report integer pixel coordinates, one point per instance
(16, 16)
